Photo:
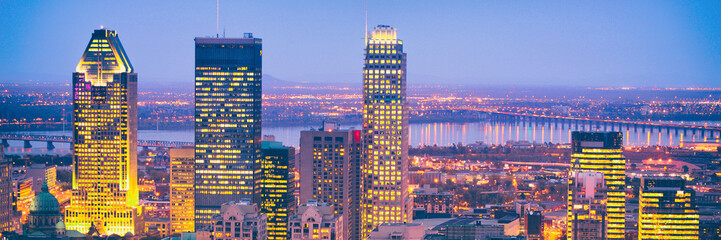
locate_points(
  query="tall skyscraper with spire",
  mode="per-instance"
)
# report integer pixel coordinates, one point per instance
(105, 128)
(385, 132)
(227, 123)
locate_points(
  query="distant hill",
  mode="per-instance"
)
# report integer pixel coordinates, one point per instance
(273, 85)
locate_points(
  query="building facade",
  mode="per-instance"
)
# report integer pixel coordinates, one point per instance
(182, 190)
(42, 173)
(468, 229)
(534, 225)
(105, 137)
(586, 206)
(667, 209)
(603, 152)
(277, 187)
(239, 221)
(398, 231)
(330, 171)
(434, 204)
(159, 227)
(23, 189)
(316, 220)
(385, 132)
(6, 194)
(227, 122)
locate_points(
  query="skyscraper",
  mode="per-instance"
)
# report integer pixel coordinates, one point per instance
(182, 190)
(330, 171)
(667, 209)
(6, 194)
(385, 132)
(227, 122)
(603, 152)
(586, 206)
(105, 136)
(277, 187)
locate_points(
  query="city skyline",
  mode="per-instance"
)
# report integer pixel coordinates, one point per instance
(636, 44)
(617, 163)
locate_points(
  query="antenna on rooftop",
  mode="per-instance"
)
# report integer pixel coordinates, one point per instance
(217, 18)
(365, 29)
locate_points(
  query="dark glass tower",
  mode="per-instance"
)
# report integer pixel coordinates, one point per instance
(227, 122)
(105, 126)
(277, 188)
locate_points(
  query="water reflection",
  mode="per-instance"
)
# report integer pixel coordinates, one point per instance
(442, 134)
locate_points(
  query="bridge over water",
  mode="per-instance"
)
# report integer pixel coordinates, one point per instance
(49, 140)
(602, 124)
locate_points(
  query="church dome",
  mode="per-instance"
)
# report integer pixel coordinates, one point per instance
(45, 202)
(60, 225)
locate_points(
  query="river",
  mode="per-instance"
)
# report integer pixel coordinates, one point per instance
(442, 134)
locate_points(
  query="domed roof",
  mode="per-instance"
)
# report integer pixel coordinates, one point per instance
(45, 202)
(60, 225)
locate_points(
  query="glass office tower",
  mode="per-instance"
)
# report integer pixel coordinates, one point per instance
(105, 137)
(385, 132)
(603, 152)
(227, 122)
(667, 209)
(277, 187)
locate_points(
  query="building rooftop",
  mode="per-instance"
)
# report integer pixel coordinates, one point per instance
(215, 40)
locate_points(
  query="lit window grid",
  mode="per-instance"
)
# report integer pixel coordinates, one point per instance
(385, 133)
(182, 194)
(336, 163)
(277, 187)
(227, 142)
(677, 221)
(105, 135)
(613, 165)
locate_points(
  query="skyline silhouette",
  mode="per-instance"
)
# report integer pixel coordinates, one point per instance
(663, 44)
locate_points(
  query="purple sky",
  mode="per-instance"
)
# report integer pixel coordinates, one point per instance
(579, 43)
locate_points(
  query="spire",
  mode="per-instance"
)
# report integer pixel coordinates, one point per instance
(45, 186)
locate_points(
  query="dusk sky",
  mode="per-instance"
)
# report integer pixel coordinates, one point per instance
(578, 43)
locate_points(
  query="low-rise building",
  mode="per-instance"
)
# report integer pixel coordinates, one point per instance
(157, 227)
(431, 203)
(398, 231)
(316, 220)
(238, 221)
(472, 229)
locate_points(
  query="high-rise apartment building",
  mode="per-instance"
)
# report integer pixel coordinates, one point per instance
(586, 206)
(330, 171)
(277, 187)
(227, 122)
(182, 190)
(667, 209)
(105, 117)
(6, 194)
(385, 132)
(603, 152)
